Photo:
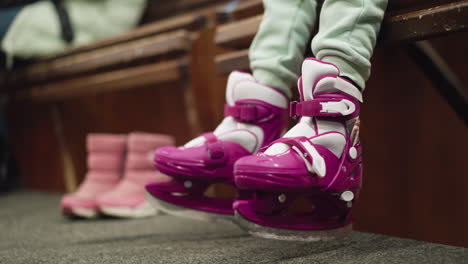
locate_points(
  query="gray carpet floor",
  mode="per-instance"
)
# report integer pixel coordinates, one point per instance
(33, 231)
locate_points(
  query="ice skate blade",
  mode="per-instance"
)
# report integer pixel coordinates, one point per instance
(180, 211)
(290, 235)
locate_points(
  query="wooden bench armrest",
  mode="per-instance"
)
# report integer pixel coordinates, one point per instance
(415, 25)
(236, 60)
(135, 77)
(238, 34)
(426, 23)
(115, 56)
(189, 22)
(167, 8)
(237, 11)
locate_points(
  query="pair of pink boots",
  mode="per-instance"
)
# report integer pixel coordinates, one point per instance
(119, 166)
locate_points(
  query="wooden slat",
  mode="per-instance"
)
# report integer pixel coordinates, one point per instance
(416, 25)
(158, 9)
(422, 24)
(135, 77)
(444, 79)
(426, 23)
(413, 5)
(96, 60)
(241, 10)
(239, 34)
(188, 22)
(236, 60)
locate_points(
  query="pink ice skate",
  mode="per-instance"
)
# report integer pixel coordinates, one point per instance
(303, 185)
(128, 198)
(106, 155)
(255, 115)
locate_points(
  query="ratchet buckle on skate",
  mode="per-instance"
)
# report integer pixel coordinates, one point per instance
(327, 107)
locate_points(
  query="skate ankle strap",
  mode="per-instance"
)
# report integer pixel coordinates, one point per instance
(324, 107)
(243, 113)
(214, 147)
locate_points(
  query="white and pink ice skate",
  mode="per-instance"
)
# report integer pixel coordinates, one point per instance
(255, 115)
(303, 186)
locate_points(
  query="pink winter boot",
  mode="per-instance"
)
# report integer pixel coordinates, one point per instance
(128, 198)
(105, 166)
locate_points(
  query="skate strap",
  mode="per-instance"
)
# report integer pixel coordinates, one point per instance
(213, 146)
(250, 113)
(325, 107)
(244, 113)
(306, 150)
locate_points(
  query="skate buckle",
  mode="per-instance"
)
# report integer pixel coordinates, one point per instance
(343, 107)
(292, 109)
(331, 107)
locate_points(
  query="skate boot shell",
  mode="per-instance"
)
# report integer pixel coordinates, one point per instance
(255, 115)
(304, 185)
(106, 154)
(128, 199)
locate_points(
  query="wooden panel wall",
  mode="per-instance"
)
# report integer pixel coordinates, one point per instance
(158, 109)
(416, 149)
(35, 147)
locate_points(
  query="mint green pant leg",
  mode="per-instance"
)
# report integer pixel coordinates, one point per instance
(278, 48)
(347, 35)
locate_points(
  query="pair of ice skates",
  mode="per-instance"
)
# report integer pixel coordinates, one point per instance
(301, 186)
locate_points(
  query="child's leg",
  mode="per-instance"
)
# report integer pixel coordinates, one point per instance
(318, 162)
(255, 115)
(347, 35)
(278, 48)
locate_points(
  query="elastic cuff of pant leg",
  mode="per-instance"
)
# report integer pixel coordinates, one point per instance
(270, 79)
(347, 70)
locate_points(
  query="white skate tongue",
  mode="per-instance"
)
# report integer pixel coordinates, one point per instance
(242, 86)
(325, 78)
(304, 127)
(228, 123)
(312, 71)
(248, 136)
(234, 79)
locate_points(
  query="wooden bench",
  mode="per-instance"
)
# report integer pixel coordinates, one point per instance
(404, 119)
(139, 51)
(134, 77)
(128, 54)
(398, 28)
(62, 90)
(189, 22)
(157, 9)
(239, 10)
